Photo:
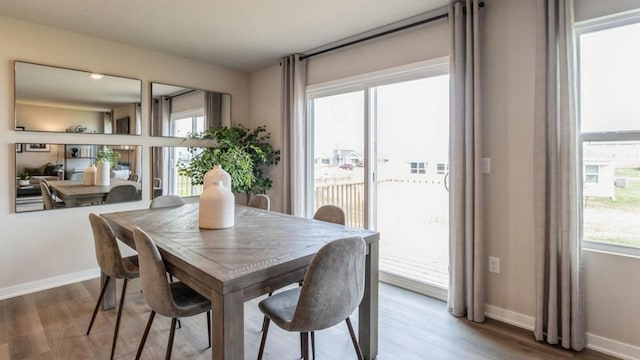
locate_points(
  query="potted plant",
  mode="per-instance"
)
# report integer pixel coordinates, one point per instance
(105, 160)
(23, 179)
(241, 152)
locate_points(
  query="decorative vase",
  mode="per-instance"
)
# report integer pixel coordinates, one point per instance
(217, 173)
(103, 173)
(89, 175)
(23, 182)
(217, 210)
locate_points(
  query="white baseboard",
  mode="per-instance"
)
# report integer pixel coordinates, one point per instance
(44, 284)
(509, 317)
(613, 347)
(594, 342)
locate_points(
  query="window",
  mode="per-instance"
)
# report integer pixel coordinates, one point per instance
(591, 173)
(442, 168)
(609, 89)
(418, 168)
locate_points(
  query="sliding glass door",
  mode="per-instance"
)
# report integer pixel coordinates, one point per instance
(380, 151)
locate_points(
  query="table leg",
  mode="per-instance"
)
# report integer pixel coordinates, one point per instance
(109, 299)
(368, 311)
(227, 326)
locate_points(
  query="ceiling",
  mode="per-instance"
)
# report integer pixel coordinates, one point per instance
(246, 35)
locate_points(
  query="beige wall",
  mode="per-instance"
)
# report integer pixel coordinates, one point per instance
(49, 247)
(508, 69)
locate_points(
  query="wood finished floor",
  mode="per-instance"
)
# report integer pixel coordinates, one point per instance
(51, 325)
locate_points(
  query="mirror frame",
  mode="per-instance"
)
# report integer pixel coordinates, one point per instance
(71, 160)
(175, 91)
(65, 95)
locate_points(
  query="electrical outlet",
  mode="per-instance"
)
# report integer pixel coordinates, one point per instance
(494, 264)
(485, 165)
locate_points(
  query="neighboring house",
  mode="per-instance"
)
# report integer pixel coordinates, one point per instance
(598, 174)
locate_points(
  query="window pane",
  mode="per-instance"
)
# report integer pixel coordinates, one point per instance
(611, 192)
(610, 79)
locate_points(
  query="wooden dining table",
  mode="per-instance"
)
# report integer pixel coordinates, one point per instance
(262, 252)
(74, 192)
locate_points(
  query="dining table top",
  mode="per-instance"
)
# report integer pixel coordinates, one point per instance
(259, 245)
(77, 188)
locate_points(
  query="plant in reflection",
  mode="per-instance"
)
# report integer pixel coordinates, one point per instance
(242, 152)
(106, 155)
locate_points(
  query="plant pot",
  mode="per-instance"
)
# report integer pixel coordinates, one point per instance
(23, 182)
(103, 174)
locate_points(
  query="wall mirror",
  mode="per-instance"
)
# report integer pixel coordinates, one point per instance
(51, 176)
(55, 99)
(165, 162)
(178, 111)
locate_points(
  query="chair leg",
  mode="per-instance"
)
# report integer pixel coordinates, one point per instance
(264, 337)
(146, 333)
(95, 310)
(313, 345)
(264, 320)
(171, 335)
(120, 307)
(304, 344)
(209, 326)
(356, 346)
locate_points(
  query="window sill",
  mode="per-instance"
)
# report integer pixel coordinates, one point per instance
(611, 249)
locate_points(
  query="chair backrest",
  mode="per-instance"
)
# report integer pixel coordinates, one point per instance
(333, 285)
(331, 213)
(107, 251)
(260, 201)
(46, 196)
(166, 201)
(121, 193)
(153, 275)
(133, 177)
(157, 182)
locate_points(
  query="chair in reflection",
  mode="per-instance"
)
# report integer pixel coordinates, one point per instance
(134, 177)
(112, 265)
(174, 300)
(166, 201)
(47, 197)
(260, 201)
(157, 187)
(121, 193)
(332, 290)
(76, 176)
(331, 213)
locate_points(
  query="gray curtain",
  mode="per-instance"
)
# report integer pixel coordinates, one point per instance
(294, 82)
(212, 109)
(161, 113)
(559, 288)
(466, 243)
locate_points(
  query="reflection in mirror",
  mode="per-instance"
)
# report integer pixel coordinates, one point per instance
(53, 176)
(164, 172)
(177, 111)
(54, 99)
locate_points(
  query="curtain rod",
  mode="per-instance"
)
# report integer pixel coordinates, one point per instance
(387, 32)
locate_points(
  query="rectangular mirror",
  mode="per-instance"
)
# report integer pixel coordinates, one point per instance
(178, 111)
(164, 172)
(54, 99)
(51, 176)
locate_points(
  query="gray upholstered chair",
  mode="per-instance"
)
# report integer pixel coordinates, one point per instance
(47, 198)
(260, 201)
(113, 265)
(174, 300)
(330, 213)
(166, 201)
(333, 288)
(121, 193)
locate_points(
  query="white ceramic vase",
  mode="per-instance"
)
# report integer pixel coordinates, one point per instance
(217, 208)
(89, 175)
(216, 174)
(103, 174)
